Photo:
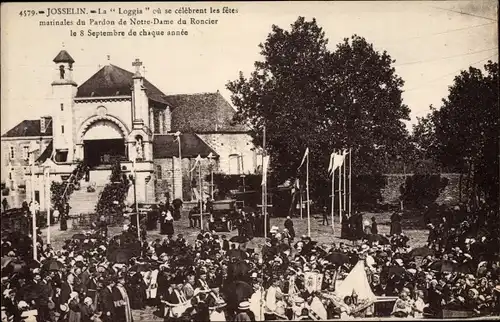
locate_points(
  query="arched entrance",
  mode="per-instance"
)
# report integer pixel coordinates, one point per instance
(103, 142)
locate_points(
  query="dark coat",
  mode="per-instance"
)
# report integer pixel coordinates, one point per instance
(289, 225)
(107, 303)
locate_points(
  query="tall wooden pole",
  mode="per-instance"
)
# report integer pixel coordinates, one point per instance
(333, 199)
(33, 210)
(180, 167)
(264, 186)
(344, 183)
(350, 181)
(340, 194)
(201, 197)
(301, 202)
(138, 221)
(212, 182)
(47, 202)
(308, 200)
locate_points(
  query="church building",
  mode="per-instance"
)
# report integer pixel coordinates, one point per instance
(119, 115)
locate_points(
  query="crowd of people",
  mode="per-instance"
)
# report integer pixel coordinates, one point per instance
(98, 278)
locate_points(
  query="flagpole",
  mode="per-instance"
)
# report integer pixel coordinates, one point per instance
(47, 203)
(138, 221)
(201, 197)
(301, 202)
(340, 194)
(350, 180)
(33, 211)
(333, 200)
(344, 184)
(308, 201)
(264, 186)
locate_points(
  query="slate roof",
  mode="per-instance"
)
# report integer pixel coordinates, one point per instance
(29, 128)
(46, 153)
(165, 146)
(112, 80)
(63, 57)
(203, 112)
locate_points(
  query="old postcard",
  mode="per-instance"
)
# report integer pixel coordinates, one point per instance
(250, 161)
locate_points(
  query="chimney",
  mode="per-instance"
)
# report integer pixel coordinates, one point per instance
(44, 124)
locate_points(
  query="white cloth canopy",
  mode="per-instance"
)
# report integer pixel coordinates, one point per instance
(358, 282)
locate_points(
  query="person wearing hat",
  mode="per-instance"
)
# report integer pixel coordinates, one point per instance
(297, 306)
(217, 311)
(244, 314)
(374, 226)
(106, 301)
(123, 311)
(403, 305)
(396, 223)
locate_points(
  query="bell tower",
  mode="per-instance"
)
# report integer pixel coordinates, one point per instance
(63, 93)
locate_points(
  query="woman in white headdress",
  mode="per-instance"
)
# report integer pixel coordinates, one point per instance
(169, 224)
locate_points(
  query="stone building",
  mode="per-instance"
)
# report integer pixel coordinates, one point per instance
(119, 115)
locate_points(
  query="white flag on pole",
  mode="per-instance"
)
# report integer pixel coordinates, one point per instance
(340, 159)
(197, 161)
(331, 166)
(304, 158)
(265, 166)
(296, 186)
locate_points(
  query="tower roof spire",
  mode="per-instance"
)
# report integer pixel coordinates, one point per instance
(63, 57)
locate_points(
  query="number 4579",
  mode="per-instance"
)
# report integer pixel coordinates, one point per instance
(27, 13)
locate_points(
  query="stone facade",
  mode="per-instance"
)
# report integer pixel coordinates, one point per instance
(167, 177)
(237, 153)
(115, 104)
(15, 160)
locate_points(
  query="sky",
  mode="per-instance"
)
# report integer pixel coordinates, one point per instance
(431, 42)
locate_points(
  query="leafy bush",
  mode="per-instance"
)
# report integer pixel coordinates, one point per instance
(367, 191)
(58, 197)
(112, 198)
(422, 190)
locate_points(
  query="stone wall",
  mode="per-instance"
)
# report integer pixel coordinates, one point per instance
(167, 177)
(230, 146)
(450, 195)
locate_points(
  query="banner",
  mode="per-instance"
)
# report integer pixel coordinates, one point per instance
(313, 281)
(197, 161)
(265, 166)
(306, 154)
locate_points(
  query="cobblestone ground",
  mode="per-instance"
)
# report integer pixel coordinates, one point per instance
(320, 233)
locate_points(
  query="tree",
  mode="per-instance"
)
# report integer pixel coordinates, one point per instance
(466, 131)
(307, 96)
